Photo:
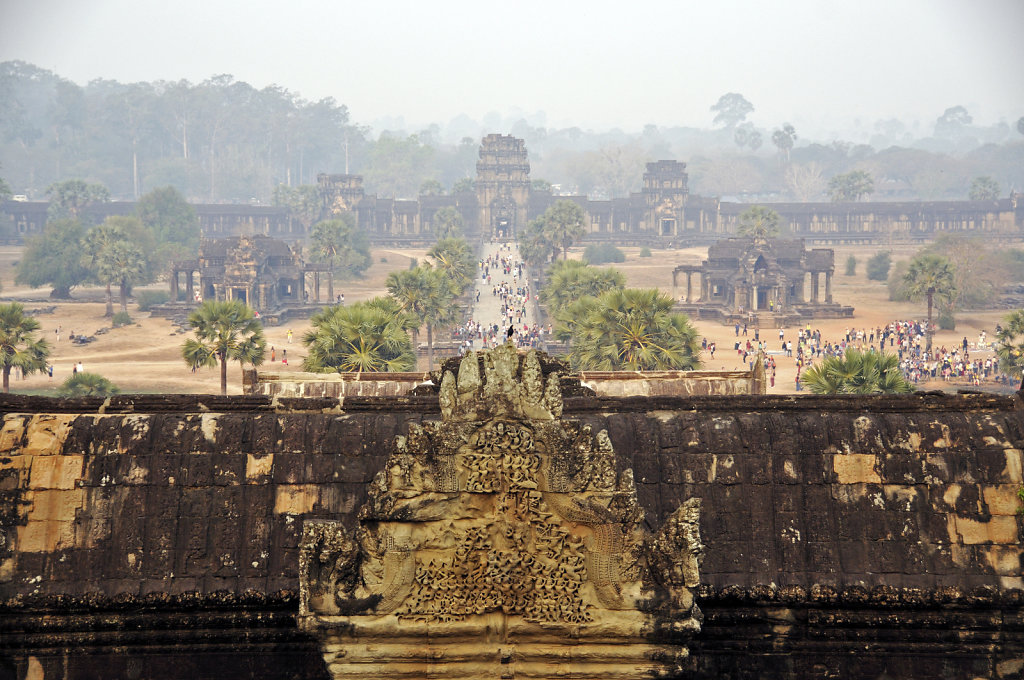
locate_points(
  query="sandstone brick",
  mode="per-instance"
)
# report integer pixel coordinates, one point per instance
(854, 468)
(1000, 529)
(259, 467)
(295, 499)
(12, 432)
(55, 472)
(56, 504)
(1002, 499)
(45, 433)
(1004, 560)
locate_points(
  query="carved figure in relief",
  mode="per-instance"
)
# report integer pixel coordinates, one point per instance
(502, 508)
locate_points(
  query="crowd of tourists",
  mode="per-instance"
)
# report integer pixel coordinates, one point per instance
(967, 362)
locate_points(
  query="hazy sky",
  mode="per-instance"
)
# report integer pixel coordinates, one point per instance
(593, 64)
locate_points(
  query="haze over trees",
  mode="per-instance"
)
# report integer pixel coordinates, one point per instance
(224, 140)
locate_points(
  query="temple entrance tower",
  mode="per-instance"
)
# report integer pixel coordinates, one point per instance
(502, 186)
(665, 193)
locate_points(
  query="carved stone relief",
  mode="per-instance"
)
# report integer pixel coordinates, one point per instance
(506, 522)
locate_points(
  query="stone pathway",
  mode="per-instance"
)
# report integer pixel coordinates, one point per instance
(488, 310)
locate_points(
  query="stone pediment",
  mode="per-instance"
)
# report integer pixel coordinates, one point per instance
(501, 540)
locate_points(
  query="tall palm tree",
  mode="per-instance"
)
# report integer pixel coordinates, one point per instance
(758, 222)
(94, 245)
(423, 293)
(367, 336)
(929, 275)
(18, 344)
(124, 264)
(453, 257)
(570, 280)
(563, 223)
(857, 372)
(633, 329)
(225, 331)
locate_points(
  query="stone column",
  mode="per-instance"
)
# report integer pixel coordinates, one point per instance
(753, 299)
(330, 287)
(302, 287)
(190, 283)
(828, 288)
(814, 287)
(174, 286)
(689, 286)
(316, 285)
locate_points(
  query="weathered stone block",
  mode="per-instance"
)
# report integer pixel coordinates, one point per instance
(856, 468)
(999, 529)
(55, 472)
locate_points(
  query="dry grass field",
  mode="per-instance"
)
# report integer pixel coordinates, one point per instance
(145, 357)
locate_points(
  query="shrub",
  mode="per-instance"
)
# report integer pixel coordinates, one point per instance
(383, 260)
(87, 385)
(645, 252)
(602, 253)
(947, 322)
(851, 265)
(878, 265)
(413, 263)
(148, 298)
(121, 319)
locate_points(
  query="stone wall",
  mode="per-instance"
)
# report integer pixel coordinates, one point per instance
(169, 527)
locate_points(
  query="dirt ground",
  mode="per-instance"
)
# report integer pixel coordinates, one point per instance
(146, 356)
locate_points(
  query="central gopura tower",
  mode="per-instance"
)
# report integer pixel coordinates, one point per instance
(503, 186)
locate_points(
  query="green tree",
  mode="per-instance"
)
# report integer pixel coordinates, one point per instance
(341, 245)
(731, 109)
(857, 372)
(929, 276)
(18, 344)
(367, 336)
(69, 198)
(87, 385)
(453, 257)
(224, 331)
(540, 185)
(569, 280)
(54, 258)
(172, 221)
(5, 191)
(759, 223)
(952, 122)
(95, 244)
(563, 224)
(535, 244)
(122, 263)
(877, 267)
(448, 223)
(423, 293)
(783, 138)
(431, 187)
(464, 185)
(633, 329)
(984, 189)
(1020, 125)
(850, 186)
(1010, 344)
(303, 203)
(851, 265)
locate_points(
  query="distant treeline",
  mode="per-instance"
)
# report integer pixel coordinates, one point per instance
(222, 140)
